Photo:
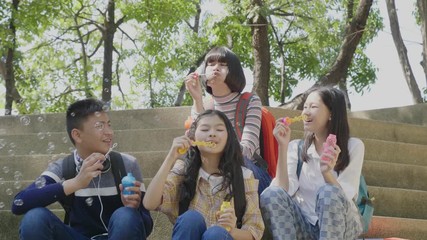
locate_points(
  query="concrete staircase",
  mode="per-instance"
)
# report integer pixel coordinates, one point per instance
(395, 164)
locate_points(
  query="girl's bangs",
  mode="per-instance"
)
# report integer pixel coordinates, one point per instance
(217, 56)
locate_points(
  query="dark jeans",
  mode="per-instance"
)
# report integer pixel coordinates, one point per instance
(260, 174)
(40, 223)
(191, 225)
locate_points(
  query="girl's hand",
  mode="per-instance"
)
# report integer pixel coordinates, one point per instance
(192, 84)
(182, 142)
(227, 218)
(329, 157)
(281, 132)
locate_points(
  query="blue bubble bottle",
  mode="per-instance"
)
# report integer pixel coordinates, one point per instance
(128, 181)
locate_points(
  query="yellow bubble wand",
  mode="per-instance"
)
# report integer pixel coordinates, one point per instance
(197, 143)
(288, 121)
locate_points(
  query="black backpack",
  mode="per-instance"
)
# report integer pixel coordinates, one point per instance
(69, 171)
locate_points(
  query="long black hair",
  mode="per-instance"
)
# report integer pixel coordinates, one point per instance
(334, 100)
(235, 78)
(230, 168)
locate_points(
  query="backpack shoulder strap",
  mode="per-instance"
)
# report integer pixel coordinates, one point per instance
(118, 168)
(68, 172)
(300, 162)
(240, 115)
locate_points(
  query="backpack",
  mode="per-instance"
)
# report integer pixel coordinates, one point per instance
(69, 171)
(267, 142)
(363, 202)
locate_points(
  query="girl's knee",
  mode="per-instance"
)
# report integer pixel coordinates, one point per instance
(216, 233)
(273, 194)
(192, 218)
(330, 191)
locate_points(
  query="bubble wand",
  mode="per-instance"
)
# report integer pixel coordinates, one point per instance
(197, 143)
(288, 121)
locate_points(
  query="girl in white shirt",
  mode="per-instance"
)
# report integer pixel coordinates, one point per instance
(319, 203)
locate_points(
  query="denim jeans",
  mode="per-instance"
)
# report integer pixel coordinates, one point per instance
(191, 225)
(40, 223)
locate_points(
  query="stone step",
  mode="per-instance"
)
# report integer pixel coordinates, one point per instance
(160, 139)
(55, 143)
(397, 202)
(406, 228)
(120, 119)
(395, 175)
(149, 162)
(382, 174)
(173, 118)
(372, 129)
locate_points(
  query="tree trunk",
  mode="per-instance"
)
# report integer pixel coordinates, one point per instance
(195, 28)
(422, 10)
(108, 35)
(12, 93)
(402, 52)
(261, 48)
(354, 32)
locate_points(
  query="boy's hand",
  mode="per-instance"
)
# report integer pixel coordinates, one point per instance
(91, 167)
(132, 200)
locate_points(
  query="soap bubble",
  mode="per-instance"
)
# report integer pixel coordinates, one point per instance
(18, 202)
(50, 147)
(40, 182)
(89, 201)
(40, 119)
(11, 152)
(6, 169)
(1, 205)
(65, 139)
(41, 135)
(9, 191)
(17, 184)
(17, 175)
(25, 120)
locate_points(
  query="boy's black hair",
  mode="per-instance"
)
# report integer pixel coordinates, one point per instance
(334, 100)
(235, 78)
(79, 111)
(230, 167)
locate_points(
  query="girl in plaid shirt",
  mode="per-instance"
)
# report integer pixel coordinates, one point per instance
(191, 188)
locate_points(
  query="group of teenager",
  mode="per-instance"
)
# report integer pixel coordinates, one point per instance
(190, 187)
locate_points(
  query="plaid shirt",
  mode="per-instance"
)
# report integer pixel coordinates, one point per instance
(208, 204)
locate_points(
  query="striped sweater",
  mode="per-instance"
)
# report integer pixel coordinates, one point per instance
(228, 104)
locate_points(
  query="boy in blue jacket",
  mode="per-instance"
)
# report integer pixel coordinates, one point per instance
(99, 209)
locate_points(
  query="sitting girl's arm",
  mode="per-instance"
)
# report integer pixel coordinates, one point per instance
(153, 195)
(282, 133)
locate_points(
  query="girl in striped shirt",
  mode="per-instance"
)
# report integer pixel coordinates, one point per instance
(223, 78)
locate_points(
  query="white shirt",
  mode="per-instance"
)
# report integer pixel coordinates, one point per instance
(305, 188)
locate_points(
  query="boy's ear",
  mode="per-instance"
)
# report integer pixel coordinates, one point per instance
(76, 135)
